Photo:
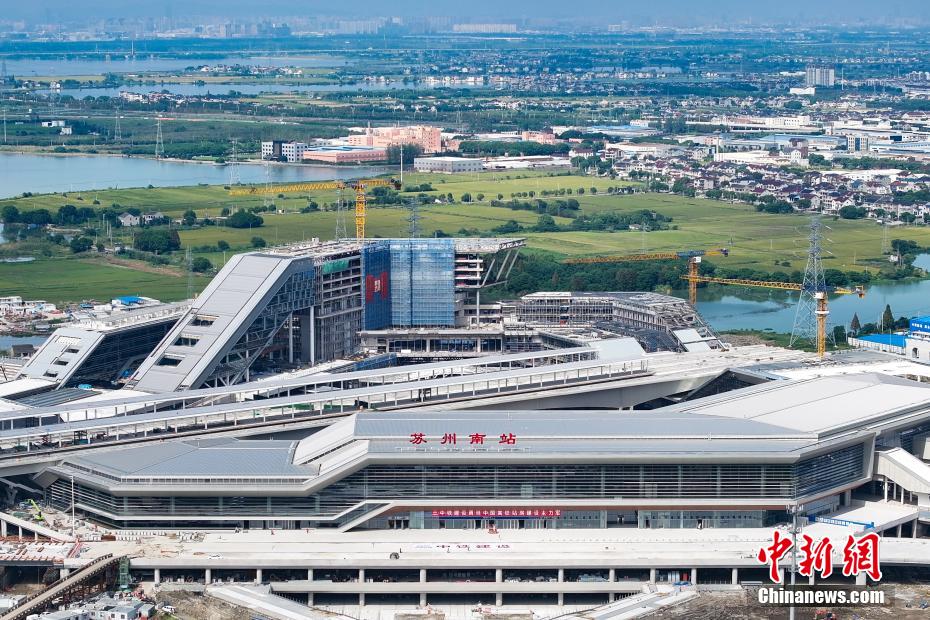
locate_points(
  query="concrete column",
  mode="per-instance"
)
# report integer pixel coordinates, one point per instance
(499, 599)
(258, 575)
(561, 579)
(35, 535)
(861, 579)
(157, 575)
(361, 576)
(781, 571)
(361, 599)
(899, 530)
(734, 577)
(811, 581)
(499, 576)
(561, 598)
(886, 489)
(422, 575)
(422, 599)
(309, 574)
(208, 577)
(914, 529)
(309, 599)
(612, 575)
(611, 597)
(3, 528)
(694, 576)
(652, 575)
(64, 572)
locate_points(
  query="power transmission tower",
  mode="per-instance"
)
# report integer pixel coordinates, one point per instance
(189, 259)
(117, 130)
(340, 216)
(234, 178)
(159, 140)
(814, 286)
(414, 219)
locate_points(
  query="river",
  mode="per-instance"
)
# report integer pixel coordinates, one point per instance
(143, 63)
(215, 89)
(731, 307)
(51, 173)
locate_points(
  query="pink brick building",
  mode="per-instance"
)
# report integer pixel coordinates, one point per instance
(429, 138)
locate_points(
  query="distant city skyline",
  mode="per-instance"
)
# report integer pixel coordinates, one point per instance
(660, 12)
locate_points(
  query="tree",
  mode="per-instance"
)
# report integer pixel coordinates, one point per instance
(9, 214)
(258, 242)
(81, 244)
(411, 152)
(545, 223)
(839, 334)
(189, 218)
(855, 325)
(466, 197)
(222, 245)
(156, 240)
(201, 264)
(244, 219)
(479, 197)
(887, 318)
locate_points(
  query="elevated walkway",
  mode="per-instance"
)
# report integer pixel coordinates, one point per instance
(42, 600)
(904, 469)
(261, 600)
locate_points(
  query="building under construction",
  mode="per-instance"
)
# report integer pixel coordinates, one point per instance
(659, 321)
(306, 304)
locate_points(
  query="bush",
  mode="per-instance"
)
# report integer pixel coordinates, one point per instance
(258, 242)
(81, 244)
(222, 245)
(201, 264)
(244, 219)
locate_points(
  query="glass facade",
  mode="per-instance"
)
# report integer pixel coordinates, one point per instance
(376, 271)
(422, 282)
(497, 484)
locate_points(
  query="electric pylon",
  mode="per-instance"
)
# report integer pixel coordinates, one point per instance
(159, 140)
(812, 302)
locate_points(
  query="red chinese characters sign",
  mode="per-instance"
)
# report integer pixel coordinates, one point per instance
(859, 555)
(473, 439)
(497, 513)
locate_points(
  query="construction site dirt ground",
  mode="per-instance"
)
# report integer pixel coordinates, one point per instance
(195, 606)
(743, 605)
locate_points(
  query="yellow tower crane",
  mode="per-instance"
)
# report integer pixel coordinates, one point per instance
(692, 256)
(820, 296)
(359, 187)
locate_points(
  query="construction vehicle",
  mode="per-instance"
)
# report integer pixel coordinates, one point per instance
(692, 256)
(38, 516)
(359, 187)
(820, 295)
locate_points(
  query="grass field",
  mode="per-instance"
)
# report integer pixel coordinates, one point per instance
(756, 240)
(72, 280)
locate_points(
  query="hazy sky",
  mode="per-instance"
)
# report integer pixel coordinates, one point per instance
(635, 11)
